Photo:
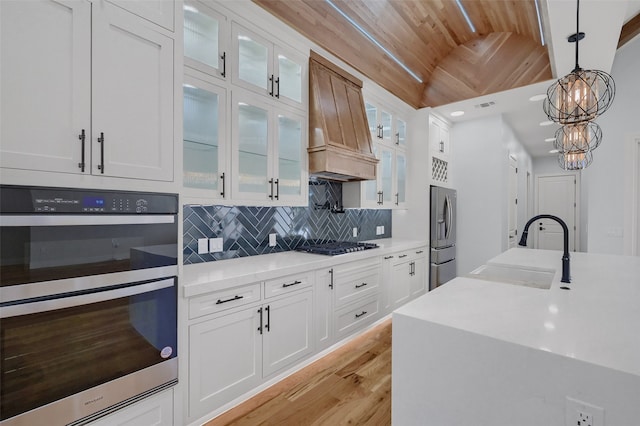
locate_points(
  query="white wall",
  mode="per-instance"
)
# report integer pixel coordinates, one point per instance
(605, 177)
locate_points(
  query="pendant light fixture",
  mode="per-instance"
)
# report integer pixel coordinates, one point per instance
(580, 137)
(581, 95)
(575, 160)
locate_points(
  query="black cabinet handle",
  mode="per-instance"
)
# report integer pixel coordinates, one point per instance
(271, 193)
(398, 138)
(101, 142)
(271, 82)
(237, 297)
(222, 178)
(296, 282)
(441, 146)
(402, 255)
(277, 95)
(388, 257)
(331, 281)
(82, 137)
(397, 199)
(360, 285)
(277, 182)
(260, 328)
(412, 268)
(268, 324)
(420, 251)
(224, 64)
(380, 197)
(361, 314)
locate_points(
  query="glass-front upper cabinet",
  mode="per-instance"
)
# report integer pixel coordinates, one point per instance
(205, 39)
(269, 69)
(401, 133)
(401, 180)
(385, 170)
(269, 155)
(205, 167)
(380, 122)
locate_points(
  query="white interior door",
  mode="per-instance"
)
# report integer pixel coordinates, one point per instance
(513, 202)
(556, 196)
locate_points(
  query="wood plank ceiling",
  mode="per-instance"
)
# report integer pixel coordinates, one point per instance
(432, 38)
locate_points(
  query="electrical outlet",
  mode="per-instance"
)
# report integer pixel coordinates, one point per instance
(203, 245)
(580, 413)
(216, 245)
(381, 229)
(272, 240)
(355, 231)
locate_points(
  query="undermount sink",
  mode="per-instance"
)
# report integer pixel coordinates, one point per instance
(517, 275)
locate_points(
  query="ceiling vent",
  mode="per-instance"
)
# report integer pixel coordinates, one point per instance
(485, 104)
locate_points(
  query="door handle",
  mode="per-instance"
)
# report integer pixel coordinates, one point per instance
(271, 82)
(224, 64)
(277, 82)
(268, 324)
(82, 137)
(260, 328)
(101, 142)
(222, 179)
(271, 193)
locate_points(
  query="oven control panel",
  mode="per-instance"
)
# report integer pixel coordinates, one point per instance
(15, 199)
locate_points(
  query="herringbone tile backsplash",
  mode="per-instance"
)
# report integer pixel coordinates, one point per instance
(246, 230)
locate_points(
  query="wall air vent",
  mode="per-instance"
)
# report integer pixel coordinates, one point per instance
(485, 104)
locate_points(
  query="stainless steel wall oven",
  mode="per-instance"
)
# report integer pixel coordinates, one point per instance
(88, 301)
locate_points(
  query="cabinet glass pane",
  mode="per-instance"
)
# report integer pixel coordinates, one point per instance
(201, 36)
(252, 61)
(401, 164)
(200, 135)
(387, 179)
(371, 186)
(401, 133)
(289, 155)
(290, 75)
(252, 148)
(372, 116)
(385, 119)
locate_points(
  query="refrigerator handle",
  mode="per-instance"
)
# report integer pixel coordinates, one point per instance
(447, 222)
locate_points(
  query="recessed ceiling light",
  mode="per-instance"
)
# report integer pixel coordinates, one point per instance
(536, 98)
(554, 151)
(457, 113)
(546, 123)
(550, 139)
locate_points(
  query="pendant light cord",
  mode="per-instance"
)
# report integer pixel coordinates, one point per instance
(577, 33)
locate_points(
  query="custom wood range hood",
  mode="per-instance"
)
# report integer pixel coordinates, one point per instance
(339, 138)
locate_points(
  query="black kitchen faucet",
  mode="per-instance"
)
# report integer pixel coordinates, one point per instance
(566, 278)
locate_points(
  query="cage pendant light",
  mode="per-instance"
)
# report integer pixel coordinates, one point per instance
(575, 160)
(580, 137)
(581, 95)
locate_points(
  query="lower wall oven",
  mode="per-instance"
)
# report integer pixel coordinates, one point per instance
(88, 302)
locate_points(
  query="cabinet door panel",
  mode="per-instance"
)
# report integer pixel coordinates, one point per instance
(418, 279)
(386, 176)
(251, 147)
(290, 74)
(204, 137)
(132, 97)
(401, 285)
(289, 335)
(224, 356)
(401, 133)
(253, 56)
(45, 84)
(160, 12)
(401, 179)
(290, 156)
(205, 39)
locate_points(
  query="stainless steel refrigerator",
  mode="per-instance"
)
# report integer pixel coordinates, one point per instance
(443, 236)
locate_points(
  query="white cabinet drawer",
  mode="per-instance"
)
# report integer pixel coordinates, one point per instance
(359, 266)
(283, 285)
(223, 299)
(355, 286)
(356, 316)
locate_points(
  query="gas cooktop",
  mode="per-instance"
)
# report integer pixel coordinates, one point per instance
(333, 248)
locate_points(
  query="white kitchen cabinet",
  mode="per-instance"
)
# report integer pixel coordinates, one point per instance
(407, 278)
(269, 160)
(269, 69)
(155, 410)
(206, 39)
(235, 350)
(206, 162)
(159, 12)
(323, 308)
(67, 67)
(225, 354)
(380, 121)
(439, 142)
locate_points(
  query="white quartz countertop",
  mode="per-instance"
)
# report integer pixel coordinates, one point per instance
(206, 277)
(596, 321)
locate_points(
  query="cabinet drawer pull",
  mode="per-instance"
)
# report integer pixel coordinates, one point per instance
(361, 314)
(360, 285)
(420, 251)
(101, 142)
(237, 297)
(388, 257)
(296, 282)
(82, 137)
(402, 255)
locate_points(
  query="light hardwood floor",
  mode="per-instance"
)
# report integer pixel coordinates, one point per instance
(349, 386)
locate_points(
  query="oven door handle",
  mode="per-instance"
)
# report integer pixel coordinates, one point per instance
(62, 302)
(74, 220)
